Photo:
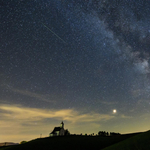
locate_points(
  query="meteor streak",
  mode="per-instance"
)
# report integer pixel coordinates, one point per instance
(54, 33)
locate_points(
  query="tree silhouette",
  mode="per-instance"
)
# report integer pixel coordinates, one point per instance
(114, 134)
(102, 133)
(22, 142)
(67, 132)
(107, 134)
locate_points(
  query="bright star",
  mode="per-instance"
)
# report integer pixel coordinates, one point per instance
(114, 111)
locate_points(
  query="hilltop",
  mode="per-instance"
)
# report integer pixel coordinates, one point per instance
(87, 142)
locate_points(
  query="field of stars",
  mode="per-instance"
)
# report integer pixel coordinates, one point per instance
(83, 62)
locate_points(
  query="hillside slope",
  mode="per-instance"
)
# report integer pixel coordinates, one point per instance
(138, 142)
(69, 142)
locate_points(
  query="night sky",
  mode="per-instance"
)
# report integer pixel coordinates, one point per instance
(76, 61)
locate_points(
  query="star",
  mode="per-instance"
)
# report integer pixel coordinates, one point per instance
(114, 111)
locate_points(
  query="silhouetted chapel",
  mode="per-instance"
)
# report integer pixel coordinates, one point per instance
(58, 131)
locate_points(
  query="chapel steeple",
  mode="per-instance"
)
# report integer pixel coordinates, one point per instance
(62, 125)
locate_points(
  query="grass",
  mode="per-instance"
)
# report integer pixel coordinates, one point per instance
(138, 142)
(74, 143)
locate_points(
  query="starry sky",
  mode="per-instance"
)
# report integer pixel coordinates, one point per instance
(76, 61)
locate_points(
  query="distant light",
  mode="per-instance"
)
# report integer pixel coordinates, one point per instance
(114, 111)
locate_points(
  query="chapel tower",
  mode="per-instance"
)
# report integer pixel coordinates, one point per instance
(62, 125)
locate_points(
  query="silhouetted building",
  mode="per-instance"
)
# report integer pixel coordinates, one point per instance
(58, 131)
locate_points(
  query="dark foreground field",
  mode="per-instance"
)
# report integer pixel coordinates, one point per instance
(140, 141)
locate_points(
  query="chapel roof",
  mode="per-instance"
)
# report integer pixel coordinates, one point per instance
(56, 129)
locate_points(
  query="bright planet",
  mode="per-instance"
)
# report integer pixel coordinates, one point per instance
(114, 111)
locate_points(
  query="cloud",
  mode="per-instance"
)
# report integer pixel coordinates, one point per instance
(40, 97)
(24, 114)
(125, 117)
(142, 66)
(23, 121)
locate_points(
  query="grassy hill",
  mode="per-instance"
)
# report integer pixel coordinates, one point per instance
(8, 144)
(74, 142)
(138, 142)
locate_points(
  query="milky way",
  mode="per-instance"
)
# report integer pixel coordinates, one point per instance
(95, 59)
